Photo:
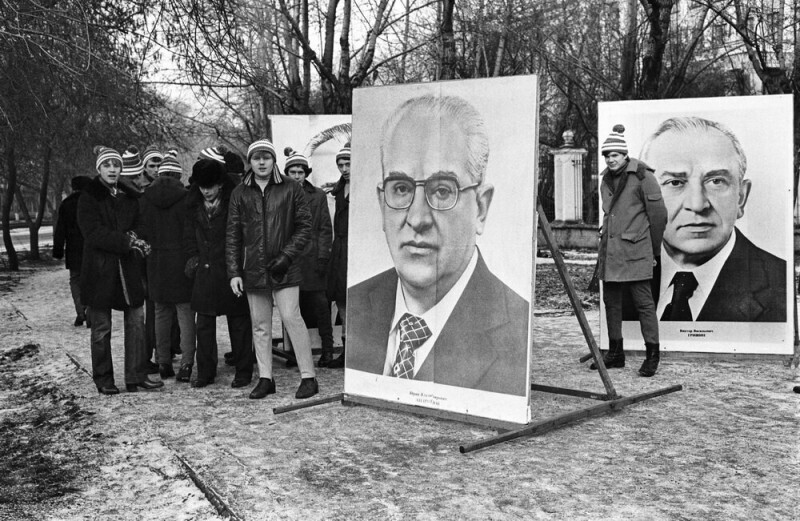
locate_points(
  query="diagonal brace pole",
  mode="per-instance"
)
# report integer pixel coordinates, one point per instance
(577, 307)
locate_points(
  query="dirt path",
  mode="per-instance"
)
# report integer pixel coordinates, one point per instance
(724, 448)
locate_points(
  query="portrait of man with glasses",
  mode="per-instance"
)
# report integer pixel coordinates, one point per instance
(439, 314)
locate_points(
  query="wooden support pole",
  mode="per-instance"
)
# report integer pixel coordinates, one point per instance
(577, 306)
(308, 403)
(550, 424)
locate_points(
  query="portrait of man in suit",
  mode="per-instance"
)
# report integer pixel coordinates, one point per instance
(439, 314)
(709, 270)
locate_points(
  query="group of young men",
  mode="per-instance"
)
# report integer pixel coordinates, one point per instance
(229, 244)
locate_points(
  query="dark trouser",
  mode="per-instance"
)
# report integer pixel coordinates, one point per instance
(102, 364)
(642, 297)
(241, 335)
(318, 302)
(149, 328)
(75, 289)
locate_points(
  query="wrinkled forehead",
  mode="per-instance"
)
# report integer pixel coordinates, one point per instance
(694, 151)
(421, 145)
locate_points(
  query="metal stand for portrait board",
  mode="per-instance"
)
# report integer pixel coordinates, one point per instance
(611, 400)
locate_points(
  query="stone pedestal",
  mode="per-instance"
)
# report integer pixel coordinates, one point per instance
(568, 176)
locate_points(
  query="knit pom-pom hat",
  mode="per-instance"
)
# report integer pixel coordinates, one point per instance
(344, 152)
(294, 158)
(615, 142)
(104, 154)
(132, 162)
(260, 145)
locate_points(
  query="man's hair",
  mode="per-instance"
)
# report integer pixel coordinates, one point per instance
(458, 110)
(694, 123)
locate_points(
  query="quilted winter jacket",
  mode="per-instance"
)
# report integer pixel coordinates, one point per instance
(263, 225)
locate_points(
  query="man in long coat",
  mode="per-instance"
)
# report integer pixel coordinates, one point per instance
(634, 218)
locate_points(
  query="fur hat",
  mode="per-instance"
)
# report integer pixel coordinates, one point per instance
(615, 142)
(263, 145)
(207, 172)
(132, 162)
(104, 154)
(344, 152)
(294, 159)
(170, 167)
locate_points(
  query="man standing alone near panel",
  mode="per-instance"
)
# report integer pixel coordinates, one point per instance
(634, 218)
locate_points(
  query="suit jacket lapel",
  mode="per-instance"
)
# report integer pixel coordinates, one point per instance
(476, 315)
(737, 301)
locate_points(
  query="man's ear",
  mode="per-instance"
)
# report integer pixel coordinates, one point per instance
(483, 197)
(380, 205)
(744, 192)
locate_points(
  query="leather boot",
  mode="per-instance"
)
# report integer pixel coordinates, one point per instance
(166, 370)
(338, 362)
(651, 359)
(326, 357)
(614, 357)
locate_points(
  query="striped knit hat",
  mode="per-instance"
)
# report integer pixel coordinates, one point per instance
(132, 162)
(170, 167)
(261, 144)
(104, 154)
(171, 153)
(152, 153)
(344, 152)
(615, 142)
(215, 153)
(294, 158)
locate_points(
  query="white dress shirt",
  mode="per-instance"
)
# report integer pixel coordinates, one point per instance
(705, 274)
(435, 318)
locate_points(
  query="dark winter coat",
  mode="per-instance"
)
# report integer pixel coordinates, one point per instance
(111, 274)
(204, 238)
(263, 225)
(163, 209)
(67, 231)
(319, 247)
(337, 272)
(633, 224)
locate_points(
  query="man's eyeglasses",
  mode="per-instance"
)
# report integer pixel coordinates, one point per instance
(441, 193)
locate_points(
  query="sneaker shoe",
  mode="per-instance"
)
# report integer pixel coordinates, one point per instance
(184, 373)
(202, 382)
(308, 388)
(264, 387)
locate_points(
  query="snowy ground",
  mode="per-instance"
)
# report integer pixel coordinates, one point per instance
(723, 448)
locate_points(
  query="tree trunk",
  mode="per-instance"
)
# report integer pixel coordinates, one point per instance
(628, 65)
(448, 65)
(306, 59)
(658, 18)
(345, 91)
(11, 188)
(36, 225)
(501, 46)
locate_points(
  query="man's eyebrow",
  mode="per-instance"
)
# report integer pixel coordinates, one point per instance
(724, 172)
(672, 174)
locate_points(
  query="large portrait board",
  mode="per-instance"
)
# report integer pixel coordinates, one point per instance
(725, 168)
(441, 246)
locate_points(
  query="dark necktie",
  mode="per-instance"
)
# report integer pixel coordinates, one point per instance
(413, 333)
(683, 286)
